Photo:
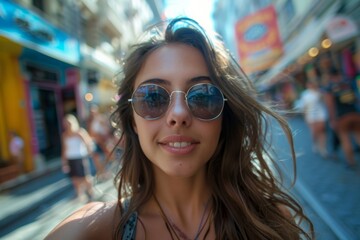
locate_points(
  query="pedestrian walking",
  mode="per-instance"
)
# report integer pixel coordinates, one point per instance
(194, 163)
(76, 149)
(99, 131)
(344, 116)
(16, 148)
(315, 114)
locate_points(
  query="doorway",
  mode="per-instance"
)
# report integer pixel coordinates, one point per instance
(46, 121)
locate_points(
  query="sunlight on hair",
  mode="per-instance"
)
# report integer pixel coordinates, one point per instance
(199, 10)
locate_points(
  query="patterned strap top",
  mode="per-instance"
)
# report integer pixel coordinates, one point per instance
(130, 226)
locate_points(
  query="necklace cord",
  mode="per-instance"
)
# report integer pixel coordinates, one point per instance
(142, 225)
(166, 220)
(172, 228)
(202, 224)
(208, 229)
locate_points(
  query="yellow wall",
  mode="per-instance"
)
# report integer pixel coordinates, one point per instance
(13, 112)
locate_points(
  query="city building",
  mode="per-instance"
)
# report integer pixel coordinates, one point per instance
(314, 34)
(59, 57)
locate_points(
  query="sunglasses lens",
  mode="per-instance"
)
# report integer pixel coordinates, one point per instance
(205, 101)
(150, 101)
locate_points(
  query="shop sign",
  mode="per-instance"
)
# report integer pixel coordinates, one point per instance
(32, 31)
(258, 40)
(341, 28)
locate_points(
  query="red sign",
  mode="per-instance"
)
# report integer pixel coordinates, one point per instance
(258, 40)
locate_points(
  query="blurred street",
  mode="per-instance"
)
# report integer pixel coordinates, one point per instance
(41, 204)
(327, 186)
(326, 189)
(64, 57)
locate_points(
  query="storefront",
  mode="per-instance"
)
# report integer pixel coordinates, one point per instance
(329, 41)
(39, 83)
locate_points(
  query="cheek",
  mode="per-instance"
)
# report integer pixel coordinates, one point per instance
(137, 123)
(212, 133)
(147, 141)
(216, 127)
(145, 131)
(217, 132)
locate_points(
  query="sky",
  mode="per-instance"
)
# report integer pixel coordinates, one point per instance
(199, 10)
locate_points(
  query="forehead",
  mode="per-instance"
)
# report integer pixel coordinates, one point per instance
(174, 63)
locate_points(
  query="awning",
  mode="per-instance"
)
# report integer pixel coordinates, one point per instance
(307, 38)
(32, 31)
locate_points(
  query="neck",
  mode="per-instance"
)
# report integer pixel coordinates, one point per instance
(189, 229)
(177, 191)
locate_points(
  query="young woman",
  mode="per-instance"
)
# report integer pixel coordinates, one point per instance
(195, 163)
(99, 130)
(315, 114)
(76, 148)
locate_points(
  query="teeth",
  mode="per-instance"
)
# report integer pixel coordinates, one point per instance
(179, 144)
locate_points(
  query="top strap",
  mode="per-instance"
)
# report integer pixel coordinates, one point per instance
(130, 226)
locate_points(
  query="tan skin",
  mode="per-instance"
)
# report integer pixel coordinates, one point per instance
(93, 221)
(100, 139)
(180, 182)
(77, 181)
(344, 126)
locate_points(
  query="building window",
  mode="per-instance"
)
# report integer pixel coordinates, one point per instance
(39, 4)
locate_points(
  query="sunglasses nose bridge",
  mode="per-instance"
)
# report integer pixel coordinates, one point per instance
(177, 91)
(174, 95)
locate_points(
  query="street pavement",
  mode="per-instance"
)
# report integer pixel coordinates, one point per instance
(327, 190)
(327, 185)
(31, 210)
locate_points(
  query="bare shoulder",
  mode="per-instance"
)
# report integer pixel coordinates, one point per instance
(82, 132)
(93, 221)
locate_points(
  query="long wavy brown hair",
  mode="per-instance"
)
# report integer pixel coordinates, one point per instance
(247, 196)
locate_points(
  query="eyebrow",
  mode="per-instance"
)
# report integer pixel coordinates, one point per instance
(199, 79)
(156, 81)
(166, 82)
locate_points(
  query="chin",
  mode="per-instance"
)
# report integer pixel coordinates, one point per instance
(180, 172)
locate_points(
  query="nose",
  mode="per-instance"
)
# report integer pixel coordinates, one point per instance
(178, 112)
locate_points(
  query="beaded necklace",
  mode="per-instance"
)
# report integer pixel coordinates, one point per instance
(177, 232)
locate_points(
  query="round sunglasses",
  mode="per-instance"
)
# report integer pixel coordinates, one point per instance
(204, 100)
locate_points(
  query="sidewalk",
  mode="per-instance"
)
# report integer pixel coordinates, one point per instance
(328, 186)
(55, 202)
(52, 166)
(24, 194)
(44, 191)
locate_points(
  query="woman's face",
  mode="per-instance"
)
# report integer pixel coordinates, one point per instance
(177, 143)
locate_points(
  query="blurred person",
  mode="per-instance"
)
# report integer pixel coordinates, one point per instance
(315, 114)
(343, 113)
(75, 152)
(331, 133)
(99, 130)
(16, 148)
(195, 164)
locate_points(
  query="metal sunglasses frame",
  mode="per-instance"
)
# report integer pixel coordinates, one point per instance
(186, 100)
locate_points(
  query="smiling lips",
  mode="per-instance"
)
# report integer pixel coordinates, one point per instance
(178, 144)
